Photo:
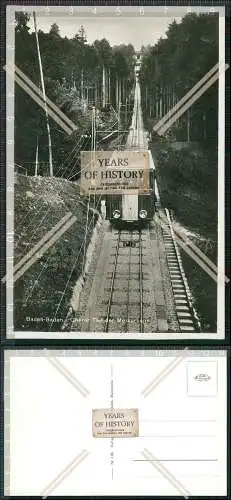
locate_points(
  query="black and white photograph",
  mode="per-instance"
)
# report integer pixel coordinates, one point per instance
(115, 172)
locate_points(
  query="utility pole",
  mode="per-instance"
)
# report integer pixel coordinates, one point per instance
(82, 86)
(44, 99)
(126, 111)
(93, 130)
(109, 86)
(104, 86)
(188, 125)
(93, 141)
(36, 160)
(146, 99)
(119, 119)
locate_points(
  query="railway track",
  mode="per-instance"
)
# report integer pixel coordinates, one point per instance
(186, 313)
(121, 281)
(137, 283)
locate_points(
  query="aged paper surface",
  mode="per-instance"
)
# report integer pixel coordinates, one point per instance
(179, 398)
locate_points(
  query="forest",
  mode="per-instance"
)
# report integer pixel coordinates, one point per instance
(186, 156)
(173, 66)
(77, 76)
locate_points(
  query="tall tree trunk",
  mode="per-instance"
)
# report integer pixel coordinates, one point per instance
(104, 86)
(82, 78)
(124, 93)
(188, 125)
(156, 97)
(119, 98)
(174, 98)
(36, 159)
(118, 119)
(117, 92)
(87, 95)
(161, 101)
(109, 86)
(170, 102)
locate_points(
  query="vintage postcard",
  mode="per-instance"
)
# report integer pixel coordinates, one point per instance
(115, 172)
(120, 423)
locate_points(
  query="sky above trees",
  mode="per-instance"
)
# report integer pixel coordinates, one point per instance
(135, 31)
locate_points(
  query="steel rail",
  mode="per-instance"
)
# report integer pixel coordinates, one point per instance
(106, 326)
(129, 277)
(141, 283)
(194, 315)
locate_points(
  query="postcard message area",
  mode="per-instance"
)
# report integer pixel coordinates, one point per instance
(114, 171)
(57, 402)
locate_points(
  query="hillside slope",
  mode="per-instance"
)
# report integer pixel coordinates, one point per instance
(187, 181)
(42, 295)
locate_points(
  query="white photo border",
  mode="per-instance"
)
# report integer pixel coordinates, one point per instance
(104, 12)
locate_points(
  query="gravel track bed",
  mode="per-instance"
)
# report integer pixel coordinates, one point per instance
(124, 315)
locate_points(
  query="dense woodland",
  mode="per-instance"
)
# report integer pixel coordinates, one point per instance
(173, 66)
(77, 76)
(187, 177)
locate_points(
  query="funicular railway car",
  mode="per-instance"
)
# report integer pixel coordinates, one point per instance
(135, 207)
